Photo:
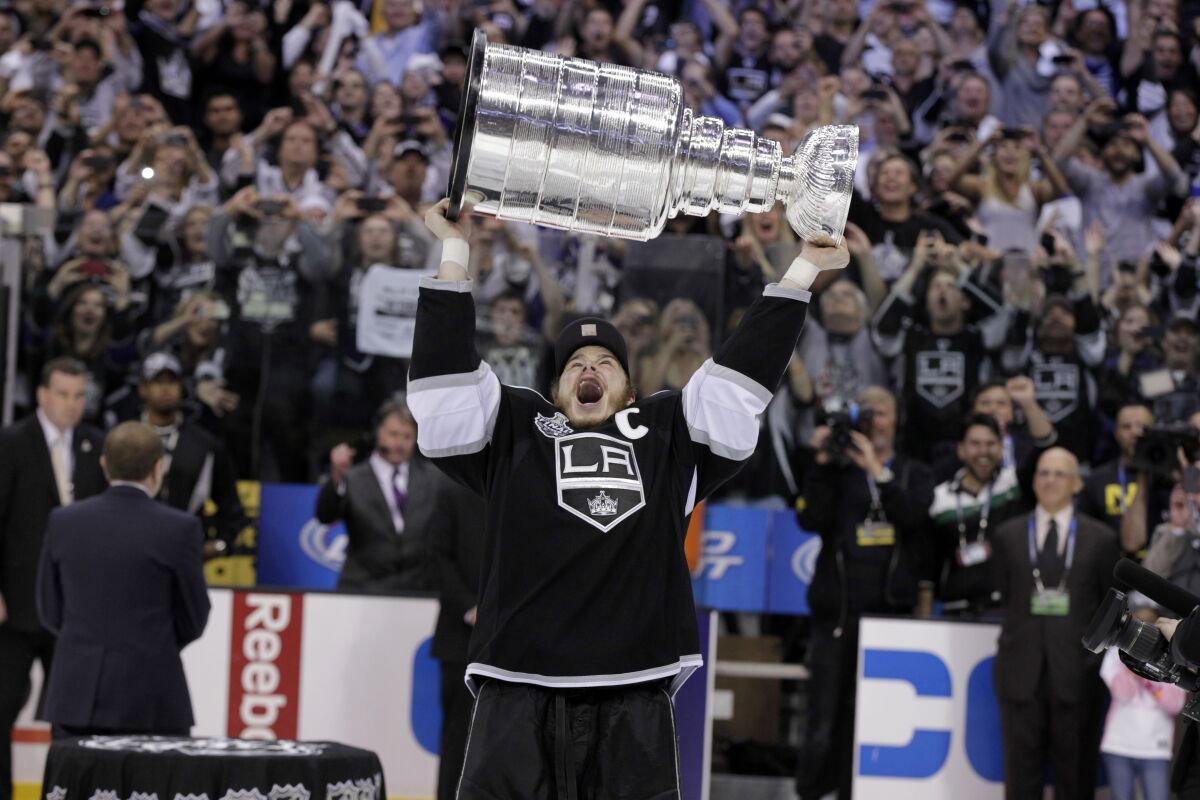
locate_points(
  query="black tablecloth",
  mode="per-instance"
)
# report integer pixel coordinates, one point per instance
(176, 768)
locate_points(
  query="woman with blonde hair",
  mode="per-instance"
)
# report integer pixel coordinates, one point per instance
(683, 344)
(1008, 198)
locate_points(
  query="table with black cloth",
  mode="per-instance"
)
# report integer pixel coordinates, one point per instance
(178, 768)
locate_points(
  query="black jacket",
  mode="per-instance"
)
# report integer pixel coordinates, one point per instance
(877, 579)
(1028, 641)
(456, 540)
(28, 493)
(121, 583)
(201, 470)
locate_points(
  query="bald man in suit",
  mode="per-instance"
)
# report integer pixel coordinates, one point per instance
(1053, 568)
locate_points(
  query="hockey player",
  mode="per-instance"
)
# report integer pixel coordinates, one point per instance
(585, 625)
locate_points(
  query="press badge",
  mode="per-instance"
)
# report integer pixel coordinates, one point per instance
(973, 554)
(1050, 603)
(876, 534)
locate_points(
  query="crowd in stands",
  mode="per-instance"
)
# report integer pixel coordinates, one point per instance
(226, 175)
(237, 184)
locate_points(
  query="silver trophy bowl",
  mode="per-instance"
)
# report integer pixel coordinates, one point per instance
(610, 150)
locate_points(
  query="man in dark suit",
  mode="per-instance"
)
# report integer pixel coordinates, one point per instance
(197, 466)
(121, 583)
(1053, 568)
(46, 460)
(387, 503)
(456, 541)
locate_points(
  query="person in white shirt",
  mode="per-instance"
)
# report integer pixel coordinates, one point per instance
(1140, 728)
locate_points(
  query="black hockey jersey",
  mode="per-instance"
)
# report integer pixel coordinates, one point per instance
(584, 581)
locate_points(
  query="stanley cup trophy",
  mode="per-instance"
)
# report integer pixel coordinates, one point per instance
(610, 150)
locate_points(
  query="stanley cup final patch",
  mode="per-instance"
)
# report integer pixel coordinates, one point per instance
(598, 479)
(553, 427)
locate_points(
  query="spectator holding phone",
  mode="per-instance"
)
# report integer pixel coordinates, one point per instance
(1023, 69)
(236, 55)
(1123, 200)
(682, 345)
(272, 264)
(89, 181)
(85, 326)
(1059, 347)
(1008, 198)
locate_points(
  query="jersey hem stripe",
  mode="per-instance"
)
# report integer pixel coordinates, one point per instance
(686, 664)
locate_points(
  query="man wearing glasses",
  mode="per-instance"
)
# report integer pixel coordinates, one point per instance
(1053, 567)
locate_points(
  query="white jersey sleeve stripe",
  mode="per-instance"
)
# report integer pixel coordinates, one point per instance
(456, 414)
(721, 407)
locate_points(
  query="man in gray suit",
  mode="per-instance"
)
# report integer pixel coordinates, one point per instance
(387, 503)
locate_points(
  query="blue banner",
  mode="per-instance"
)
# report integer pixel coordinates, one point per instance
(294, 550)
(793, 559)
(732, 573)
(753, 559)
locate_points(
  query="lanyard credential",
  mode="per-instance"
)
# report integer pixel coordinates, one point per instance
(1123, 482)
(1037, 573)
(984, 511)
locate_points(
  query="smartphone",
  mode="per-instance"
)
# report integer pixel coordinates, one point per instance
(269, 208)
(1063, 60)
(1049, 243)
(175, 140)
(153, 220)
(1128, 267)
(371, 205)
(95, 268)
(962, 65)
(874, 94)
(1013, 133)
(957, 136)
(41, 44)
(98, 163)
(901, 8)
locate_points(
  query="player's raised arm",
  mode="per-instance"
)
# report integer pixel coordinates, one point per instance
(452, 392)
(723, 399)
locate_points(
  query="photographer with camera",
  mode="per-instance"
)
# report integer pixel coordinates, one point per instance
(1052, 567)
(869, 504)
(1122, 493)
(271, 265)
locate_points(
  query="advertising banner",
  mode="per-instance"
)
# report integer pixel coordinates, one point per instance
(754, 559)
(344, 668)
(927, 724)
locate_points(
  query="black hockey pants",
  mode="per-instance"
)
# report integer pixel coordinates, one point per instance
(609, 743)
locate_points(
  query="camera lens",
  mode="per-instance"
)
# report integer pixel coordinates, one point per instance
(1142, 641)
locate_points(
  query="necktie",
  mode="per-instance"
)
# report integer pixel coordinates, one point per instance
(1048, 563)
(62, 476)
(398, 493)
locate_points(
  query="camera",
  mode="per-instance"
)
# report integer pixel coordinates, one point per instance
(1156, 449)
(1143, 648)
(1058, 279)
(371, 205)
(842, 422)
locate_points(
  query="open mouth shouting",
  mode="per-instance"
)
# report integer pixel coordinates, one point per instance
(589, 392)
